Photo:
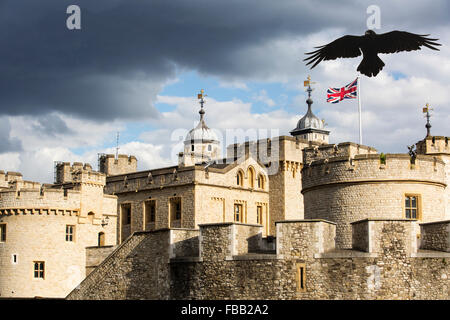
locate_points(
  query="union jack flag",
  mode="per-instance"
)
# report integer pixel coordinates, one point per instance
(334, 95)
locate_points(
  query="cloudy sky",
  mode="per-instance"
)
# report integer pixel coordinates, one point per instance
(136, 67)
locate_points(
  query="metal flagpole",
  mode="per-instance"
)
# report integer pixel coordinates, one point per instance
(359, 109)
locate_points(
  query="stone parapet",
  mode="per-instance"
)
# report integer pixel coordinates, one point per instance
(376, 235)
(110, 165)
(222, 241)
(345, 149)
(435, 236)
(434, 145)
(372, 168)
(301, 239)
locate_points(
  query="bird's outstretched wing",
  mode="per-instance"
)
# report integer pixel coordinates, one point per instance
(344, 47)
(396, 41)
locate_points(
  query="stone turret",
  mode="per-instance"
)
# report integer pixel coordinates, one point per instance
(201, 143)
(111, 166)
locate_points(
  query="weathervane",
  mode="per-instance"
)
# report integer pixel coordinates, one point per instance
(201, 96)
(307, 83)
(426, 110)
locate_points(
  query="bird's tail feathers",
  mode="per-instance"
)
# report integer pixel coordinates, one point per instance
(370, 65)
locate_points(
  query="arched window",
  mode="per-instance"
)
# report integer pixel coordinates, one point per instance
(101, 239)
(260, 181)
(251, 177)
(91, 216)
(240, 178)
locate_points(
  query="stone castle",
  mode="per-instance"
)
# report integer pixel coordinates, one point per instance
(292, 217)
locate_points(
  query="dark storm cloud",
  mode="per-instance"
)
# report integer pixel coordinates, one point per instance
(51, 125)
(8, 144)
(127, 49)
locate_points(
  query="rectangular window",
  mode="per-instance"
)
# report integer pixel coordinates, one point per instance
(175, 208)
(150, 211)
(39, 269)
(70, 233)
(301, 277)
(238, 214)
(126, 214)
(259, 215)
(412, 207)
(3, 232)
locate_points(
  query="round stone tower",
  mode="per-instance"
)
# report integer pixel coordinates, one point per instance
(343, 188)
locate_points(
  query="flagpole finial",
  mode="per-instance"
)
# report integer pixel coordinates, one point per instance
(426, 110)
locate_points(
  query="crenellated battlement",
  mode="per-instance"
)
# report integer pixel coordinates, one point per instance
(226, 260)
(434, 145)
(77, 173)
(372, 167)
(110, 165)
(345, 149)
(39, 198)
(272, 149)
(10, 177)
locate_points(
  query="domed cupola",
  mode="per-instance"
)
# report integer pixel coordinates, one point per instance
(310, 127)
(201, 143)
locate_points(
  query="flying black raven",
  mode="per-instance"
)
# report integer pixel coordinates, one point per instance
(370, 44)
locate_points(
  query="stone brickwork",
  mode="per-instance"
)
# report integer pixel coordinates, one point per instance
(326, 151)
(207, 195)
(185, 243)
(36, 218)
(395, 269)
(110, 165)
(356, 242)
(435, 236)
(301, 239)
(96, 255)
(440, 147)
(137, 268)
(344, 190)
(283, 157)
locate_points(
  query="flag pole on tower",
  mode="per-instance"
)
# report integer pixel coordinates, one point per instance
(359, 109)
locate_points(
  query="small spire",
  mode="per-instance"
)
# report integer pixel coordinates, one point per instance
(426, 110)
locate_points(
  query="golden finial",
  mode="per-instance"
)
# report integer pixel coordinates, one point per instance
(200, 95)
(308, 81)
(427, 108)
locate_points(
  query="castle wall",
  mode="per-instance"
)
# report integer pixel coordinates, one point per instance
(439, 147)
(96, 255)
(392, 272)
(436, 236)
(41, 237)
(306, 265)
(344, 191)
(36, 217)
(137, 268)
